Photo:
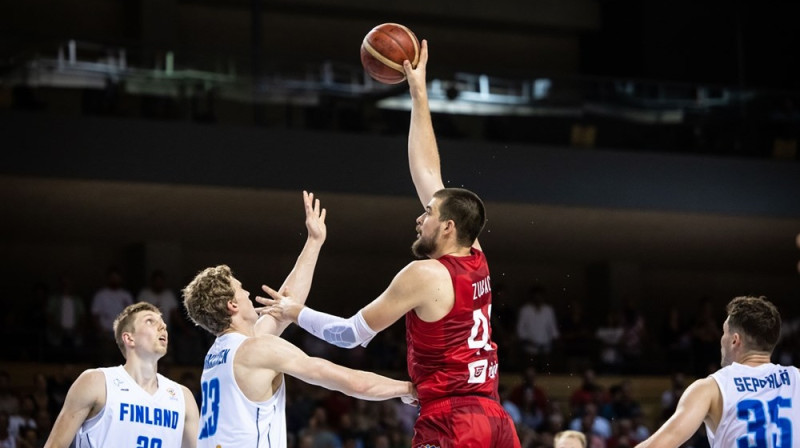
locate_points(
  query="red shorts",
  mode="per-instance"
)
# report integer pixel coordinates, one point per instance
(464, 422)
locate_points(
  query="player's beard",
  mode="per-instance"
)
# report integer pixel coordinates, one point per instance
(423, 247)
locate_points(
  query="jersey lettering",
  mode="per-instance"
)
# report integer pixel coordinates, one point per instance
(759, 421)
(481, 287)
(138, 413)
(210, 407)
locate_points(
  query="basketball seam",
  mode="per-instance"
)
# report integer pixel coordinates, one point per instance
(413, 39)
(383, 59)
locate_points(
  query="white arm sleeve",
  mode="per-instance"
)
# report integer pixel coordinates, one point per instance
(345, 333)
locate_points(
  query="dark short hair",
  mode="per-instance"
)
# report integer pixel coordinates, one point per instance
(466, 210)
(757, 319)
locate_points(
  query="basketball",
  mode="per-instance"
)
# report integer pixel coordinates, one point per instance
(385, 48)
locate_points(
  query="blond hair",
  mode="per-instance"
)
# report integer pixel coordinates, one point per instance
(570, 434)
(206, 298)
(124, 321)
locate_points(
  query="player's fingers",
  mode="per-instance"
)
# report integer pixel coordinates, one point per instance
(266, 301)
(272, 293)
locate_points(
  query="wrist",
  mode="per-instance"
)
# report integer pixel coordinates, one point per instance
(294, 313)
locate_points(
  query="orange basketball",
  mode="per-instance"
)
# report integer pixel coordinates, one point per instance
(385, 48)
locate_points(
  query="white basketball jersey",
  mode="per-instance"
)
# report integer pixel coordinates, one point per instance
(228, 418)
(760, 407)
(132, 417)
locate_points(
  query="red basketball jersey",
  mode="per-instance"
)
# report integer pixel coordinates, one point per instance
(455, 355)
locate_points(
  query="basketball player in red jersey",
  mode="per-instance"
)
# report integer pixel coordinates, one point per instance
(446, 299)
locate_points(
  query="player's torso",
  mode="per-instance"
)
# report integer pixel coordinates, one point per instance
(133, 417)
(227, 417)
(761, 407)
(455, 355)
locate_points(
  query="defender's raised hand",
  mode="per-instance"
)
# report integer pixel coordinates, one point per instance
(315, 217)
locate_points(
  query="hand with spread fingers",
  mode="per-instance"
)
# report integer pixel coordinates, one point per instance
(280, 306)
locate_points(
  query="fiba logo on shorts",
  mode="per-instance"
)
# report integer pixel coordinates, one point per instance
(427, 445)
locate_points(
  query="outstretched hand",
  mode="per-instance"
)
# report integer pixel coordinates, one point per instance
(416, 76)
(315, 217)
(280, 306)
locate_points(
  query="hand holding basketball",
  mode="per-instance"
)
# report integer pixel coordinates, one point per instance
(385, 48)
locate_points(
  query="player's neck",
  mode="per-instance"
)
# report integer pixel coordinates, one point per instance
(145, 373)
(754, 359)
(455, 251)
(238, 325)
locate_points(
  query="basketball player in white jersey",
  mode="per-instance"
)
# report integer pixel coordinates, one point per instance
(243, 384)
(129, 406)
(750, 402)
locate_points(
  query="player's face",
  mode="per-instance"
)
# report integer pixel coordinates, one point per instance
(150, 332)
(428, 225)
(242, 298)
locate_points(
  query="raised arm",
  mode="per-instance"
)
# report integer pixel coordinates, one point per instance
(281, 356)
(85, 399)
(298, 282)
(423, 153)
(694, 407)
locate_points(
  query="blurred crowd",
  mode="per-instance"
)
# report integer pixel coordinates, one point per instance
(58, 325)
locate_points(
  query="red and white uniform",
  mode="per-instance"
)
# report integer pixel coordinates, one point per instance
(453, 364)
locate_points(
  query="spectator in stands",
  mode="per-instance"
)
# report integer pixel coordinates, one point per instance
(107, 304)
(65, 322)
(42, 399)
(633, 338)
(589, 422)
(537, 327)
(29, 438)
(6, 439)
(611, 337)
(670, 397)
(157, 293)
(9, 401)
(577, 337)
(705, 339)
(510, 407)
(624, 435)
(676, 338)
(627, 405)
(588, 392)
(530, 399)
(320, 433)
(26, 417)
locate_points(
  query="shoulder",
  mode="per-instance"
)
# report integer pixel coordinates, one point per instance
(92, 375)
(90, 385)
(425, 270)
(256, 349)
(705, 389)
(423, 274)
